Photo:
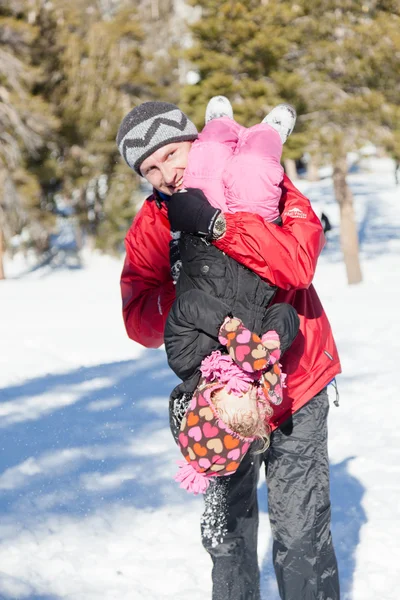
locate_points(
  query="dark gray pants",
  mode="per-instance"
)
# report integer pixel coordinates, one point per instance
(297, 470)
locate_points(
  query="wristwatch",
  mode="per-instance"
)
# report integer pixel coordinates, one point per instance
(219, 227)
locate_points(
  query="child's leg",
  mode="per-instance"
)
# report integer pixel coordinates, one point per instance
(220, 131)
(262, 140)
(254, 173)
(208, 158)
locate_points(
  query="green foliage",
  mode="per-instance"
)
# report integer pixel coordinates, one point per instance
(118, 211)
(238, 49)
(393, 141)
(99, 60)
(348, 56)
(69, 72)
(27, 124)
(336, 61)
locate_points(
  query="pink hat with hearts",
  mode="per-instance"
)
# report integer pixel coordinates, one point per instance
(209, 447)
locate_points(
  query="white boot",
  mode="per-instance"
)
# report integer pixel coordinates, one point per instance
(283, 119)
(218, 106)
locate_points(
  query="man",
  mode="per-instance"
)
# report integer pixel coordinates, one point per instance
(155, 140)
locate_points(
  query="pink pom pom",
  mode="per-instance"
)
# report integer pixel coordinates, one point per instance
(222, 368)
(190, 480)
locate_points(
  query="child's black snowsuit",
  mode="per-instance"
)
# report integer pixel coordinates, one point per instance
(212, 285)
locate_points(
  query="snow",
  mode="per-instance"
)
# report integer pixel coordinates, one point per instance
(89, 508)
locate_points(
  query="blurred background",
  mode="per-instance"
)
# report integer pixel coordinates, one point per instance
(70, 70)
(88, 505)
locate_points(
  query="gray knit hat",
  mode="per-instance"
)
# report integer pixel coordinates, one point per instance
(150, 126)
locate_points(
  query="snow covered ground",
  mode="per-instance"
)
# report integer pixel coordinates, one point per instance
(88, 506)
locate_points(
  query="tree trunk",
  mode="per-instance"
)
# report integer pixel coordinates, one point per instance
(312, 169)
(290, 168)
(348, 227)
(2, 274)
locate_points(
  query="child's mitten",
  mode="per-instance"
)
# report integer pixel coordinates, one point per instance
(245, 347)
(273, 382)
(272, 342)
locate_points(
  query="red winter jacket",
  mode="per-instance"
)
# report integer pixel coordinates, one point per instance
(285, 256)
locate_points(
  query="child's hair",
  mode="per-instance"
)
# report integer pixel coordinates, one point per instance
(247, 421)
(230, 407)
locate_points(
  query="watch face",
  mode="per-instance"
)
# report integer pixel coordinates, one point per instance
(219, 227)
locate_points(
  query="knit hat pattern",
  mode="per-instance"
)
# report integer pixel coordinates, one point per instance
(209, 446)
(150, 126)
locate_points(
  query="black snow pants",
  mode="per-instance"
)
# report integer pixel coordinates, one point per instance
(297, 471)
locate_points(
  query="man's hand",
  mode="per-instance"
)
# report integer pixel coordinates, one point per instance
(190, 211)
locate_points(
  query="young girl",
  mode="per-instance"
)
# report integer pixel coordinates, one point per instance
(237, 169)
(230, 407)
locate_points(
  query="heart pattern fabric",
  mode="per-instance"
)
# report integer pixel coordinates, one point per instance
(243, 345)
(255, 355)
(206, 443)
(208, 446)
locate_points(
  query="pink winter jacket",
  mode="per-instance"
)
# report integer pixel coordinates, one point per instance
(237, 168)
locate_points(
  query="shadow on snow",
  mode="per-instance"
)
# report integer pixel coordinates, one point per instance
(104, 438)
(92, 435)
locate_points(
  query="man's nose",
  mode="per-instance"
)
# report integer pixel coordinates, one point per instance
(168, 173)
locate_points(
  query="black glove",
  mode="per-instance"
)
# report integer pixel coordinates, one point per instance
(190, 211)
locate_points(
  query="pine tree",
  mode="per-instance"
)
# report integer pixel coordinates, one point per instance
(233, 56)
(87, 64)
(164, 30)
(26, 127)
(335, 60)
(347, 55)
(237, 51)
(94, 56)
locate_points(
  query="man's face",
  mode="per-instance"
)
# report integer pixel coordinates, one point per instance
(164, 168)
